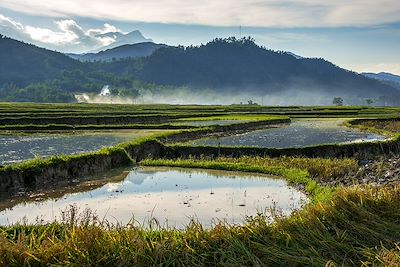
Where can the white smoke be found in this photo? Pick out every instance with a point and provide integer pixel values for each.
(105, 91)
(104, 97)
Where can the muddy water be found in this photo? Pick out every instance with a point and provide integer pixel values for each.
(299, 133)
(172, 196)
(16, 148)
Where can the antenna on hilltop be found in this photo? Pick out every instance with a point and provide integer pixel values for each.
(240, 31)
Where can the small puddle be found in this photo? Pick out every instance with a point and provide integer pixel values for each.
(299, 133)
(16, 148)
(172, 196)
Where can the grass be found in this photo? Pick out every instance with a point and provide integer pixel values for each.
(358, 226)
(32, 108)
(359, 150)
(233, 117)
(340, 227)
(41, 164)
(69, 127)
(384, 126)
(101, 126)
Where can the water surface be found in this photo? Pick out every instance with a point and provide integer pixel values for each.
(18, 147)
(299, 133)
(172, 196)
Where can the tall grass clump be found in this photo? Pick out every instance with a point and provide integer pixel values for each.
(385, 126)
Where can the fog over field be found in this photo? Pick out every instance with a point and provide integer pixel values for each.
(211, 97)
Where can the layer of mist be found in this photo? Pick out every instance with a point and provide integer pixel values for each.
(184, 95)
(210, 97)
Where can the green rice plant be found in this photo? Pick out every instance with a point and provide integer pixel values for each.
(233, 117)
(320, 168)
(388, 125)
(384, 257)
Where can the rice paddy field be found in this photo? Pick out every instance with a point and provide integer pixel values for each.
(106, 185)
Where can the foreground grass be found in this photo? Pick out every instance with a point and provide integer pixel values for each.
(342, 226)
(358, 226)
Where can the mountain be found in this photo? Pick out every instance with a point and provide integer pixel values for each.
(22, 63)
(384, 77)
(123, 51)
(219, 69)
(294, 55)
(120, 38)
(32, 74)
(231, 66)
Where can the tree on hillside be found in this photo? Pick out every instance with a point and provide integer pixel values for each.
(133, 93)
(337, 101)
(114, 91)
(369, 101)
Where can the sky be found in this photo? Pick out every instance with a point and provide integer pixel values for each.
(360, 35)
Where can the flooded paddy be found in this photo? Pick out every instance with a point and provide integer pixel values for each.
(19, 147)
(299, 133)
(172, 196)
(200, 123)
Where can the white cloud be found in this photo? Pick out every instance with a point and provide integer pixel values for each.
(51, 37)
(8, 22)
(390, 67)
(264, 13)
(71, 33)
(69, 36)
(107, 28)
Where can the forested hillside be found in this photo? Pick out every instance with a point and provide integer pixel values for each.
(22, 64)
(30, 73)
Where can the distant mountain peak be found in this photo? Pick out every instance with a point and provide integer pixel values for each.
(124, 51)
(121, 38)
(294, 55)
(386, 77)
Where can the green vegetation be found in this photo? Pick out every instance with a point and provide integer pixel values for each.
(121, 149)
(32, 117)
(261, 120)
(356, 226)
(47, 110)
(230, 117)
(341, 226)
(317, 168)
(387, 126)
(68, 127)
(337, 101)
(356, 150)
(222, 66)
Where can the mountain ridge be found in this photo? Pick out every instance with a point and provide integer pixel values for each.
(237, 65)
(19, 60)
(124, 51)
(222, 66)
(120, 38)
(386, 77)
